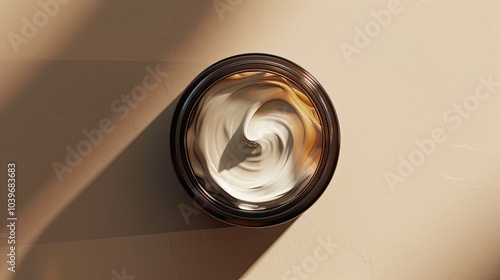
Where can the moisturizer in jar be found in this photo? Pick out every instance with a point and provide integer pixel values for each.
(255, 140)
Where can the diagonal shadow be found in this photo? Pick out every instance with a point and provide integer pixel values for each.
(137, 194)
(137, 198)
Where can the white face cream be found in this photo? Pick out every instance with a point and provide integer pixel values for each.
(254, 140)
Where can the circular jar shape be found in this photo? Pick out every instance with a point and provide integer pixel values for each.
(255, 140)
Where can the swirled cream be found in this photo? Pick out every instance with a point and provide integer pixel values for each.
(254, 140)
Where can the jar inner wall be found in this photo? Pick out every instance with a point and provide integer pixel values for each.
(254, 140)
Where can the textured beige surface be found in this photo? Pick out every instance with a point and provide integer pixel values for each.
(117, 212)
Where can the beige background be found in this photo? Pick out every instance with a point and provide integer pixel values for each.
(117, 212)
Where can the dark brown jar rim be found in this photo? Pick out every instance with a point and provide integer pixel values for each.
(330, 142)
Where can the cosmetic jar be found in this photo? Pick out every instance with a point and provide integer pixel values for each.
(255, 140)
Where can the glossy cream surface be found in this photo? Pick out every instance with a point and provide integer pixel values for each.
(254, 140)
